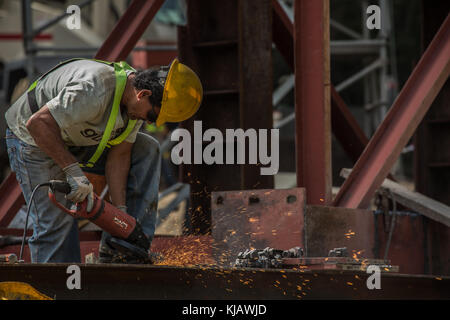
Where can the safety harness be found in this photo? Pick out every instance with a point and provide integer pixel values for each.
(120, 69)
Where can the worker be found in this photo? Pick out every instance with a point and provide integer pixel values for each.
(85, 116)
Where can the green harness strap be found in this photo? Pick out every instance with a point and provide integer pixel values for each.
(121, 80)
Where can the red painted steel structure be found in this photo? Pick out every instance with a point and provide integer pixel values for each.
(145, 59)
(19, 36)
(283, 33)
(256, 219)
(12, 200)
(343, 123)
(345, 127)
(128, 30)
(400, 123)
(312, 99)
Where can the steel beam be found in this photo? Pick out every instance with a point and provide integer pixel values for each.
(229, 45)
(400, 123)
(11, 200)
(344, 125)
(128, 30)
(312, 99)
(256, 219)
(283, 33)
(115, 281)
(255, 79)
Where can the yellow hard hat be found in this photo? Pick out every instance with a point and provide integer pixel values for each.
(182, 95)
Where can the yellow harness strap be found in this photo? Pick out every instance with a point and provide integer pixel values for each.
(121, 80)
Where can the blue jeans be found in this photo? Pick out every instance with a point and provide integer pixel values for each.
(55, 233)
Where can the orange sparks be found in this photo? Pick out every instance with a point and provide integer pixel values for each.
(349, 234)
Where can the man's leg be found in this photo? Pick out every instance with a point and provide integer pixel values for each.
(55, 233)
(143, 182)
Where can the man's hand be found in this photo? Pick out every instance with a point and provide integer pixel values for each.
(80, 185)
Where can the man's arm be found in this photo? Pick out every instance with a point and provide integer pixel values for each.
(47, 135)
(116, 171)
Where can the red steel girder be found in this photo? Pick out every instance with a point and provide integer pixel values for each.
(312, 99)
(343, 124)
(128, 30)
(256, 218)
(345, 127)
(399, 124)
(283, 33)
(11, 199)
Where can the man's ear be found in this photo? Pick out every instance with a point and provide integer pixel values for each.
(144, 93)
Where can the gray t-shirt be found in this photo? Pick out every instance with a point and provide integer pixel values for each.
(79, 95)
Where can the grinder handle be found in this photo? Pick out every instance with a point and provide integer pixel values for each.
(64, 187)
(60, 186)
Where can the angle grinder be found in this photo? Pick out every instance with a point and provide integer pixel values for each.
(126, 233)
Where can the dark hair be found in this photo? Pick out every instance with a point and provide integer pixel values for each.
(148, 79)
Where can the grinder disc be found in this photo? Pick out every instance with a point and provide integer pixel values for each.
(127, 248)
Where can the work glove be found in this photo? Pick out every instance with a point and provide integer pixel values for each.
(80, 186)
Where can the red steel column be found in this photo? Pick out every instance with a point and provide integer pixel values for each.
(312, 99)
(400, 123)
(343, 124)
(11, 200)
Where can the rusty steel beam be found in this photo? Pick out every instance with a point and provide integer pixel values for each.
(256, 218)
(283, 33)
(399, 124)
(345, 127)
(11, 199)
(255, 79)
(312, 100)
(128, 30)
(343, 124)
(132, 282)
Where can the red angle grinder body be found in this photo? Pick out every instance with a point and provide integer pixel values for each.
(126, 232)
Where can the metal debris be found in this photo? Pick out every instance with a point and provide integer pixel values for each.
(338, 252)
(266, 258)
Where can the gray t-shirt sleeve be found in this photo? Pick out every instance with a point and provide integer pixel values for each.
(76, 103)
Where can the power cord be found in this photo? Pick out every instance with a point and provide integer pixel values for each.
(28, 213)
